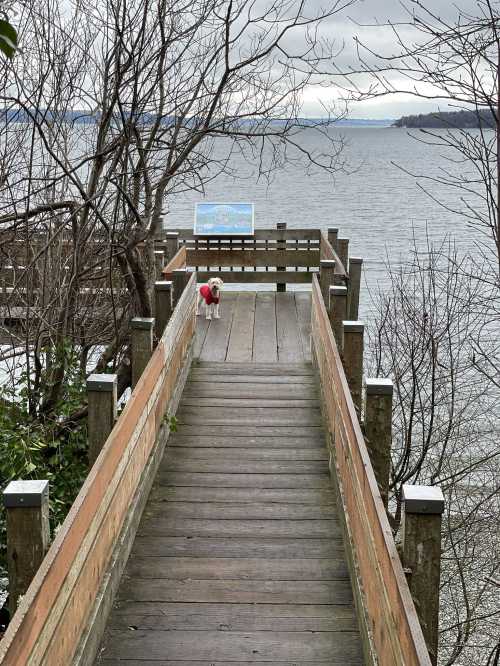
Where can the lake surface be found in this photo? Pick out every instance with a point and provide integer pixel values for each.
(377, 206)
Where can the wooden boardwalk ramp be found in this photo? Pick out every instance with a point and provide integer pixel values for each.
(239, 557)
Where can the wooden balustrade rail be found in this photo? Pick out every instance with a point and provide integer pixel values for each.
(62, 600)
(326, 251)
(386, 610)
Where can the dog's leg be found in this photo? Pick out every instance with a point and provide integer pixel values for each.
(216, 311)
(208, 310)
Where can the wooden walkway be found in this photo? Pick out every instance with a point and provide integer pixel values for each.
(257, 327)
(239, 558)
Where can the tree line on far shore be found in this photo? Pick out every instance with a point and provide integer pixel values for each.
(463, 119)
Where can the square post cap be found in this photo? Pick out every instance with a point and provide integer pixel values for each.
(336, 290)
(333, 230)
(159, 252)
(25, 493)
(353, 326)
(281, 225)
(379, 386)
(172, 234)
(146, 323)
(355, 260)
(102, 382)
(327, 263)
(423, 499)
(163, 285)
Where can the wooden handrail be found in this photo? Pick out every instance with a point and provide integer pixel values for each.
(53, 614)
(179, 261)
(326, 251)
(392, 629)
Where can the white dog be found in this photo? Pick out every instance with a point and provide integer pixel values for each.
(210, 293)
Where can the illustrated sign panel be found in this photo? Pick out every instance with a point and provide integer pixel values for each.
(224, 219)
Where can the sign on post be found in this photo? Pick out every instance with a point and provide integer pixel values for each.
(224, 219)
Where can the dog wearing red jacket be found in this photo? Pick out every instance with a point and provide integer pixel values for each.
(210, 293)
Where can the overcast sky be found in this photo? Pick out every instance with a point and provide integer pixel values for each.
(360, 20)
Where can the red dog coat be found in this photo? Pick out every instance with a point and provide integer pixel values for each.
(206, 292)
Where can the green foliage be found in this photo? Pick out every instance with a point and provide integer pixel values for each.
(171, 422)
(8, 38)
(33, 448)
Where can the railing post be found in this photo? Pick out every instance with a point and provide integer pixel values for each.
(102, 399)
(378, 430)
(333, 234)
(141, 345)
(343, 252)
(421, 533)
(338, 313)
(163, 306)
(353, 359)
(171, 244)
(355, 266)
(180, 278)
(28, 534)
(326, 277)
(159, 262)
(281, 245)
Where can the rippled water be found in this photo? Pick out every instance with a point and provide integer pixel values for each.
(378, 206)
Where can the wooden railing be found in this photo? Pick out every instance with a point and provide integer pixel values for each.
(64, 599)
(270, 256)
(390, 626)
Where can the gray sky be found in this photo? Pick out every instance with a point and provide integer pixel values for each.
(360, 20)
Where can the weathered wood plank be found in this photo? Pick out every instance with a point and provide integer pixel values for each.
(303, 307)
(211, 662)
(250, 258)
(226, 568)
(248, 416)
(157, 524)
(224, 646)
(209, 494)
(256, 430)
(270, 547)
(299, 367)
(289, 342)
(279, 383)
(239, 591)
(258, 277)
(195, 452)
(244, 480)
(241, 510)
(277, 403)
(305, 443)
(240, 347)
(259, 234)
(217, 337)
(265, 345)
(192, 464)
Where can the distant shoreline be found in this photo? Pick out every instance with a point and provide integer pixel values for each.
(448, 120)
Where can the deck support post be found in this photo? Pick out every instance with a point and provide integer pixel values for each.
(421, 532)
(355, 266)
(159, 262)
(333, 234)
(378, 430)
(343, 252)
(326, 279)
(102, 399)
(180, 278)
(353, 359)
(163, 306)
(28, 534)
(171, 244)
(281, 245)
(338, 313)
(141, 345)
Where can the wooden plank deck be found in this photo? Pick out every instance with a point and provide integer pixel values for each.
(257, 327)
(239, 559)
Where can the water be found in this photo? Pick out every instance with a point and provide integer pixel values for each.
(375, 204)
